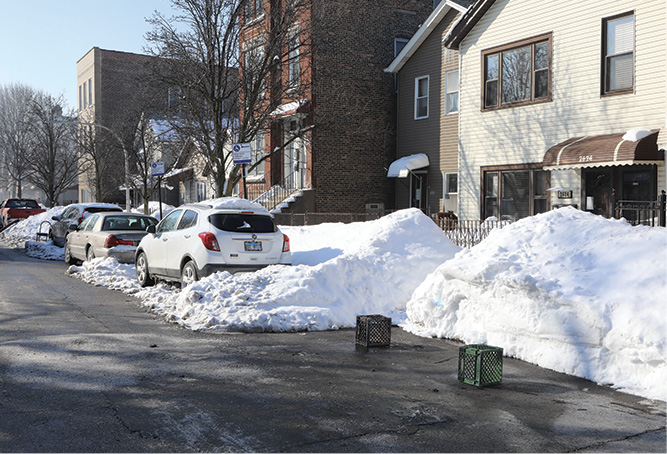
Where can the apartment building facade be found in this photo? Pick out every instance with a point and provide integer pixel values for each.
(340, 125)
(114, 89)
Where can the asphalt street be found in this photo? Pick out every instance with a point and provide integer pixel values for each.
(83, 368)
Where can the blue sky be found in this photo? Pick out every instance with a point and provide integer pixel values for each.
(41, 40)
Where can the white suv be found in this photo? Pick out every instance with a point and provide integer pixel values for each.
(194, 241)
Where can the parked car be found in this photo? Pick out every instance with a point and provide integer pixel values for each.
(13, 209)
(194, 241)
(73, 215)
(107, 234)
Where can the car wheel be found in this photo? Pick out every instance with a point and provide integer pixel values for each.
(143, 277)
(188, 273)
(69, 260)
(90, 254)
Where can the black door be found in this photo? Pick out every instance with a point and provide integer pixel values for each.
(599, 191)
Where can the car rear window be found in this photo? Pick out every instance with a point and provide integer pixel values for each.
(247, 223)
(137, 223)
(22, 204)
(100, 209)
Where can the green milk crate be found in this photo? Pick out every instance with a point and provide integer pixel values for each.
(480, 365)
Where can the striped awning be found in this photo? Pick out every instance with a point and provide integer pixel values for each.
(603, 150)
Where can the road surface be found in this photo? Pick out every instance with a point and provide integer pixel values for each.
(88, 369)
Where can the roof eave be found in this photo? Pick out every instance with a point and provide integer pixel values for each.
(453, 38)
(424, 31)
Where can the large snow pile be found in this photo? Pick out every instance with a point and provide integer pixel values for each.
(566, 290)
(338, 272)
(26, 229)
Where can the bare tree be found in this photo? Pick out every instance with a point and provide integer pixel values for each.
(232, 63)
(155, 140)
(98, 171)
(16, 137)
(53, 163)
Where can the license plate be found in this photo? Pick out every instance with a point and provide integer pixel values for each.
(253, 246)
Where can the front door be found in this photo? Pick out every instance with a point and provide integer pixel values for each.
(599, 191)
(294, 159)
(418, 189)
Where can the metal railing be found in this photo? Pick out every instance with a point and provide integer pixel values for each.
(468, 233)
(276, 195)
(642, 212)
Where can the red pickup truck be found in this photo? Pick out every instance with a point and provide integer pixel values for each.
(14, 209)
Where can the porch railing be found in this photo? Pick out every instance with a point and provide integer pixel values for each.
(640, 212)
(276, 195)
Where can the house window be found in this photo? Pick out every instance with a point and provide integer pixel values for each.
(80, 97)
(201, 191)
(421, 97)
(399, 44)
(85, 104)
(254, 9)
(514, 192)
(257, 146)
(518, 73)
(618, 54)
(293, 68)
(254, 69)
(452, 92)
(451, 181)
(174, 98)
(90, 91)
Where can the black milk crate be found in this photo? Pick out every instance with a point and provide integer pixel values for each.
(373, 331)
(480, 365)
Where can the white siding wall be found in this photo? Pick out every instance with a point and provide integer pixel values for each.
(523, 134)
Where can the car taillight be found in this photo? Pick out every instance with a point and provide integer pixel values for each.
(210, 241)
(112, 241)
(285, 243)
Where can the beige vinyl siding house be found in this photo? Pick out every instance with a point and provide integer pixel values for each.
(517, 136)
(433, 130)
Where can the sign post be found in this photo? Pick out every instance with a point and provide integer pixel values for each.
(157, 170)
(242, 155)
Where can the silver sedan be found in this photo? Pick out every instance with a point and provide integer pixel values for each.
(107, 234)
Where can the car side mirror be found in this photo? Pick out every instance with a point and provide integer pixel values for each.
(56, 218)
(72, 227)
(150, 229)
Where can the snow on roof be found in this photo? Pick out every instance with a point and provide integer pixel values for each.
(401, 167)
(235, 203)
(635, 135)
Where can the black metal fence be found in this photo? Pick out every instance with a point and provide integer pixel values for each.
(640, 212)
(468, 233)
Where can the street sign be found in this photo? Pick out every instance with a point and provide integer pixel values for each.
(242, 153)
(157, 169)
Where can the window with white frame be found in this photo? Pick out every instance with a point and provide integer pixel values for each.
(293, 66)
(421, 97)
(85, 103)
(257, 146)
(90, 91)
(201, 191)
(452, 92)
(254, 69)
(451, 183)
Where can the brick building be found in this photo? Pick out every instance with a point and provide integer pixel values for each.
(114, 89)
(345, 101)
